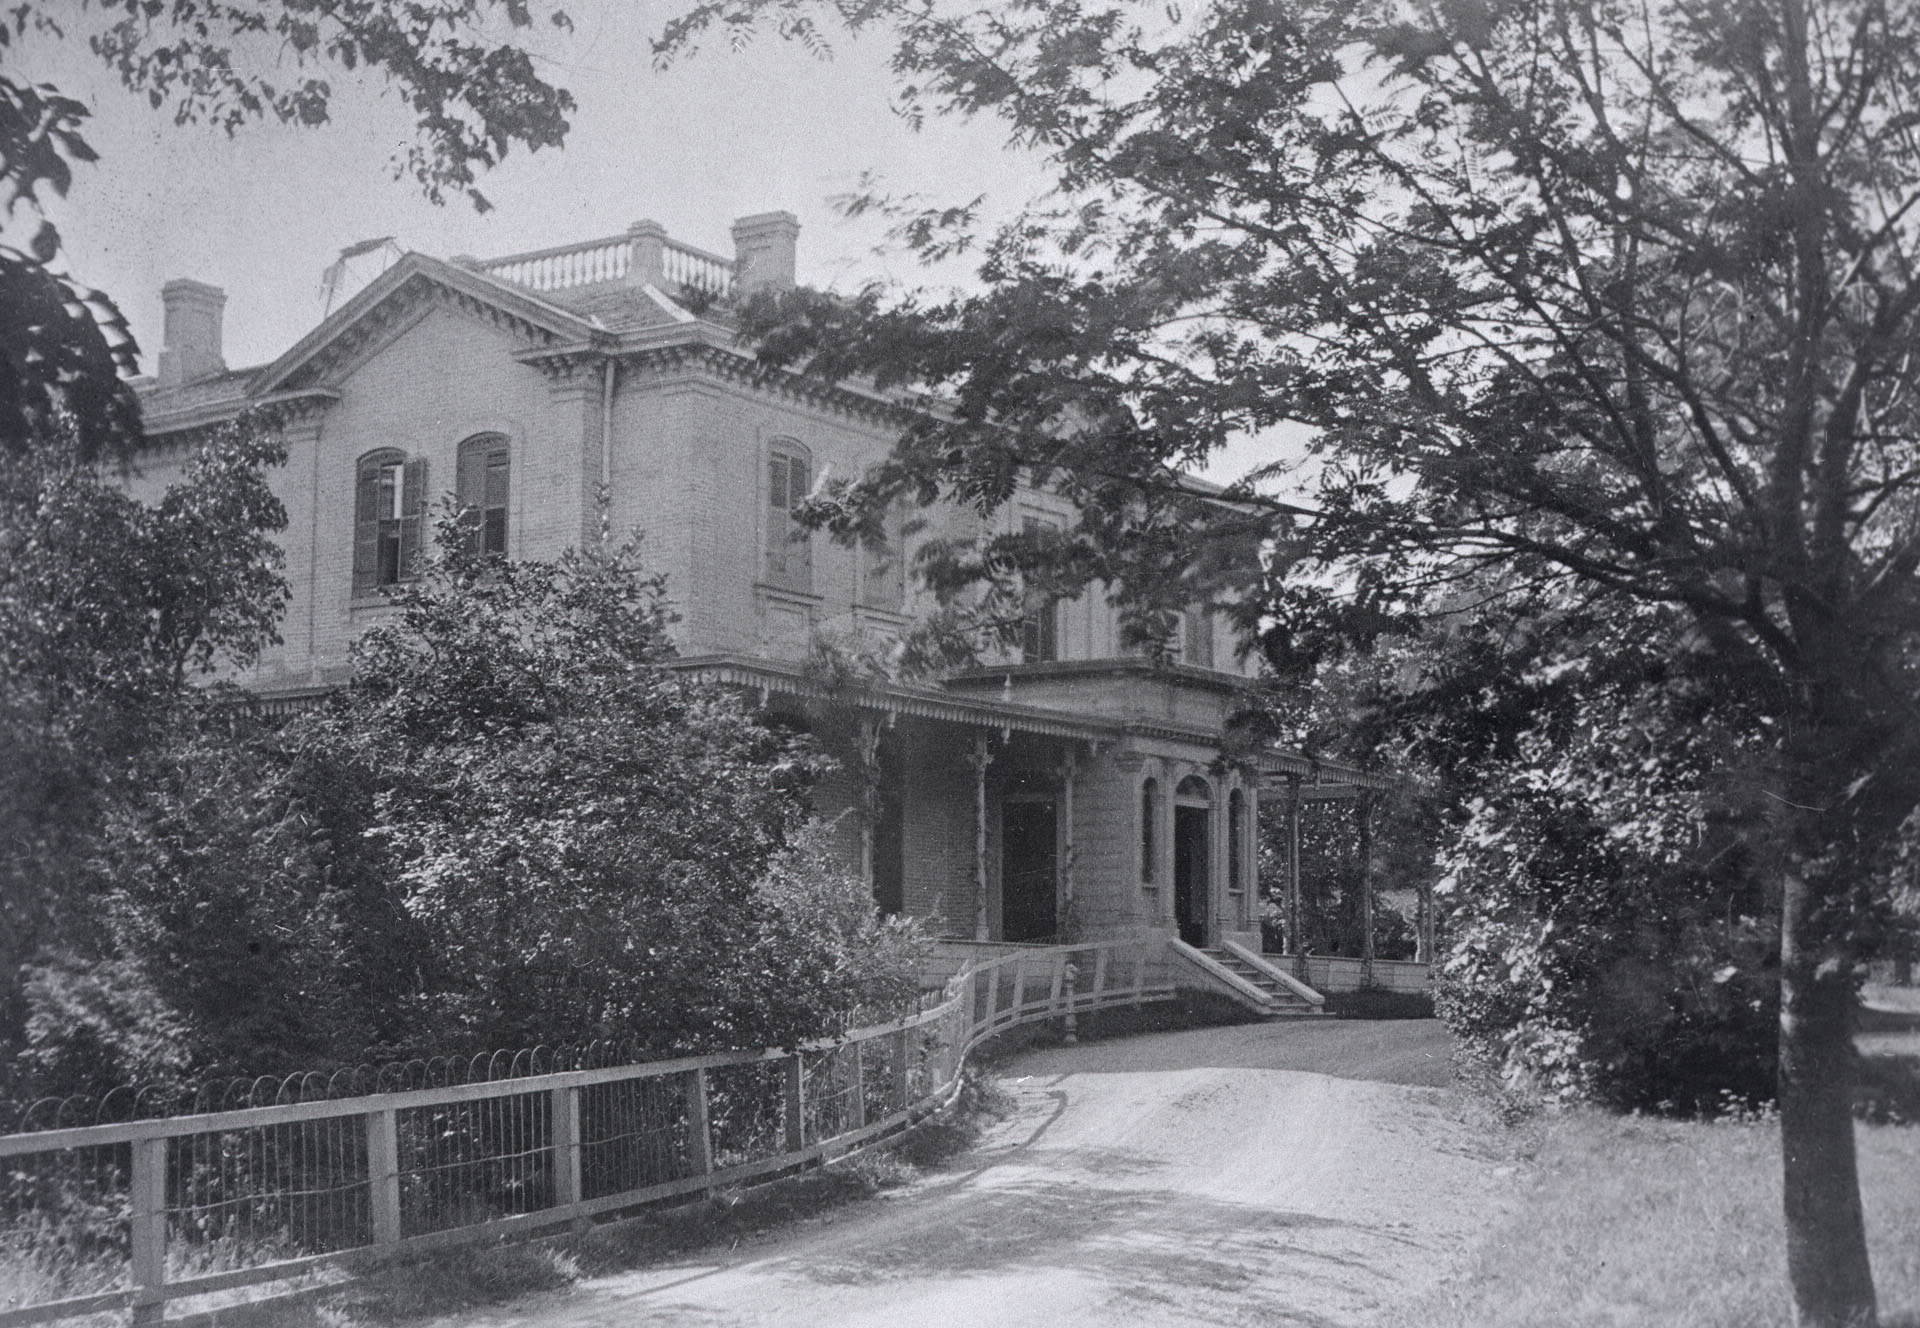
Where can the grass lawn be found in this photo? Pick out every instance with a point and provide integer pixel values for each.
(1630, 1221)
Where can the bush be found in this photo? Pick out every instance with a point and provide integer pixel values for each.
(1608, 943)
(518, 825)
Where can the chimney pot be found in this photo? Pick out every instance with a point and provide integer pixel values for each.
(190, 337)
(765, 251)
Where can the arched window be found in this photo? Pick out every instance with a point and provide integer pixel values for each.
(789, 562)
(1236, 837)
(1193, 789)
(1150, 831)
(480, 489)
(390, 499)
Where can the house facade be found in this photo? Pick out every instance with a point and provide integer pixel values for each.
(1067, 787)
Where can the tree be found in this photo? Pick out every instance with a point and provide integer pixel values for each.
(106, 606)
(1619, 295)
(516, 826)
(112, 613)
(582, 835)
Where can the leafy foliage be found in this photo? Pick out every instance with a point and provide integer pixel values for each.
(1598, 297)
(111, 610)
(578, 827)
(518, 825)
(1610, 937)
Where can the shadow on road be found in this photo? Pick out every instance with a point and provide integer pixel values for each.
(1216, 1261)
(1414, 1052)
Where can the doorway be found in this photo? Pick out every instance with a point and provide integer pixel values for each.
(1192, 832)
(1029, 854)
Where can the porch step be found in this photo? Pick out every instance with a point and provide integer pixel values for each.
(1282, 998)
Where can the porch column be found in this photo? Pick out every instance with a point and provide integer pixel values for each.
(869, 774)
(1066, 926)
(980, 758)
(1292, 888)
(1366, 889)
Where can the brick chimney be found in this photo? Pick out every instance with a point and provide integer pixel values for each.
(190, 341)
(764, 248)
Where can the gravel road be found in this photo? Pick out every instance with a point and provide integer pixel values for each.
(1313, 1173)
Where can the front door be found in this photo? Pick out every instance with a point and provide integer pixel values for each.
(1027, 879)
(1190, 834)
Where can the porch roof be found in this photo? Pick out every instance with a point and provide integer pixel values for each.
(1319, 779)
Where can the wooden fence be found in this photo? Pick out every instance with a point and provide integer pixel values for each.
(134, 1215)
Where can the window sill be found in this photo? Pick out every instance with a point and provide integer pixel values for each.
(370, 603)
(788, 594)
(896, 617)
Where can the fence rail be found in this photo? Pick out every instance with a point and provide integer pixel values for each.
(130, 1215)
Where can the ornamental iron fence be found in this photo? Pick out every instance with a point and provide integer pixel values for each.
(142, 1198)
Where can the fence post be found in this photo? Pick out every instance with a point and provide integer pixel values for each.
(383, 1175)
(699, 1133)
(148, 1236)
(564, 1109)
(1072, 976)
(1099, 972)
(897, 1052)
(796, 1096)
(858, 1116)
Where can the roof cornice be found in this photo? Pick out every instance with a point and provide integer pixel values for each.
(346, 331)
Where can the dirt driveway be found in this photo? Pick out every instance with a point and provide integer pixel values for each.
(1307, 1173)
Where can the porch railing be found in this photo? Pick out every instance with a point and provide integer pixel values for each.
(133, 1215)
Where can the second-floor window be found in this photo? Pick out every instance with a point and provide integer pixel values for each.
(1194, 644)
(481, 489)
(883, 581)
(789, 550)
(390, 493)
(1040, 629)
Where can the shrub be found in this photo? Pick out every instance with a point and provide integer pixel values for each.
(1608, 942)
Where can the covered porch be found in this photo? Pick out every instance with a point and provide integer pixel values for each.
(1001, 817)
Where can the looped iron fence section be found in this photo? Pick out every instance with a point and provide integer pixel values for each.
(136, 1200)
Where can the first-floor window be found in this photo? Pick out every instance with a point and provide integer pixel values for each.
(481, 491)
(1236, 848)
(1149, 831)
(389, 504)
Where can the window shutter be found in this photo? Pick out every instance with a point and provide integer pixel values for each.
(776, 518)
(469, 493)
(493, 536)
(1196, 647)
(413, 510)
(799, 540)
(366, 529)
(885, 583)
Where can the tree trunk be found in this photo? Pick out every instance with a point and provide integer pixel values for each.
(1826, 1231)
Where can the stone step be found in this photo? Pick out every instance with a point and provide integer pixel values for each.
(1283, 998)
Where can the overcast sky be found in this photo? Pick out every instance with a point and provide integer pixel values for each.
(724, 135)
